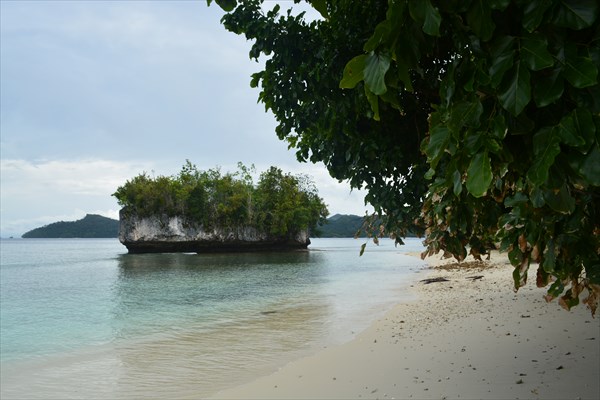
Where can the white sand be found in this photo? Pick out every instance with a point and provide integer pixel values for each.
(462, 339)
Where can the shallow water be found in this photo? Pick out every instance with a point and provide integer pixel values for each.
(81, 318)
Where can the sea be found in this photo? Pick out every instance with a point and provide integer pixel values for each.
(82, 318)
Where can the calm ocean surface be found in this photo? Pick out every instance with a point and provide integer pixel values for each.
(81, 318)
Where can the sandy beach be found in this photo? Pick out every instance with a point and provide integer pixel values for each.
(470, 337)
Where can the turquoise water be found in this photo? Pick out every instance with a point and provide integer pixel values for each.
(83, 318)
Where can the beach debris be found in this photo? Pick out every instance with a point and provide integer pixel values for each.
(474, 278)
(268, 312)
(475, 265)
(433, 280)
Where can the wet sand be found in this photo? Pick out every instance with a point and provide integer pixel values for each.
(468, 337)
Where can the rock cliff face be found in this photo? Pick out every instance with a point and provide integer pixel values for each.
(163, 234)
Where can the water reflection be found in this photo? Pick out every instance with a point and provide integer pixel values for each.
(212, 282)
(206, 318)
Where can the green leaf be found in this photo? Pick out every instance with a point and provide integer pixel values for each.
(576, 14)
(590, 168)
(556, 289)
(518, 198)
(479, 18)
(592, 271)
(560, 200)
(448, 85)
(439, 136)
(424, 13)
(548, 88)
(537, 198)
(498, 127)
(534, 52)
(362, 249)
(403, 74)
(374, 102)
(533, 13)
(321, 7)
(467, 113)
(571, 127)
(380, 35)
(407, 50)
(226, 5)
(545, 149)
(376, 65)
(256, 77)
(549, 259)
(473, 141)
(391, 97)
(581, 72)
(429, 174)
(353, 72)
(433, 19)
(457, 183)
(515, 91)
(479, 174)
(516, 257)
(502, 53)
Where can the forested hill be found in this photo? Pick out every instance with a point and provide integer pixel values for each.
(344, 226)
(91, 226)
(341, 226)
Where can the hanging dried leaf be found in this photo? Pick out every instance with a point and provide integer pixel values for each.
(592, 299)
(535, 254)
(542, 278)
(523, 243)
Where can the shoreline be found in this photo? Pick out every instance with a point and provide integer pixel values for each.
(468, 337)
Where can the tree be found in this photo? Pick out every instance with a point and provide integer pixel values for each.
(474, 122)
(282, 205)
(285, 201)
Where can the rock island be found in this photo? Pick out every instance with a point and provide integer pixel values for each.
(208, 211)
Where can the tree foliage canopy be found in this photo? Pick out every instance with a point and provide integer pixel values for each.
(474, 122)
(279, 204)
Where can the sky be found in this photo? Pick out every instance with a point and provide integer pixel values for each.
(93, 93)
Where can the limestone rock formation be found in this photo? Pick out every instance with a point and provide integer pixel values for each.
(165, 234)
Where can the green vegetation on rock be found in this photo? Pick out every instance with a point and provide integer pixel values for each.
(91, 226)
(474, 122)
(279, 204)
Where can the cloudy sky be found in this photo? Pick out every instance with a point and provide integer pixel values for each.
(96, 92)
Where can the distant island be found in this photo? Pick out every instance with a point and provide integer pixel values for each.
(91, 226)
(341, 226)
(97, 226)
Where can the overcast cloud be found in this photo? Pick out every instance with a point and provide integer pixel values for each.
(95, 92)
